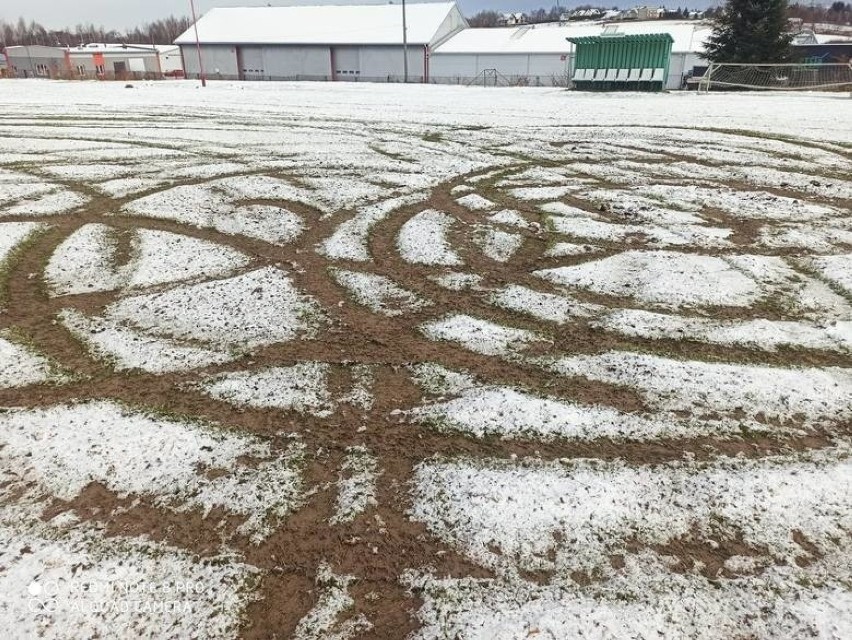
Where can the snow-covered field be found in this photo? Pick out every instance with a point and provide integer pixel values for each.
(361, 361)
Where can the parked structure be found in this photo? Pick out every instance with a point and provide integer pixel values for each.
(619, 62)
(353, 42)
(542, 55)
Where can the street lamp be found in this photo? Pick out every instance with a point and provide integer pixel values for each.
(198, 44)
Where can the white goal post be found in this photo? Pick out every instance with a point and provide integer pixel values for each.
(777, 77)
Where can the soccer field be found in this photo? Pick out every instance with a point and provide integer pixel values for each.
(343, 361)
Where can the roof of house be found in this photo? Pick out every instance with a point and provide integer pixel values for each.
(326, 24)
(688, 36)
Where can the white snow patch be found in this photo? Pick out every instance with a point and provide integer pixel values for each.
(323, 621)
(438, 380)
(356, 487)
(21, 366)
(544, 306)
(85, 262)
(135, 453)
(511, 414)
(542, 193)
(361, 393)
(208, 206)
(423, 239)
(768, 335)
(165, 257)
(664, 278)
(820, 395)
(53, 203)
(77, 584)
(563, 249)
(379, 293)
(511, 218)
(498, 245)
(350, 239)
(127, 348)
(475, 202)
(595, 508)
(258, 308)
(302, 388)
(836, 269)
(13, 234)
(457, 281)
(647, 600)
(480, 336)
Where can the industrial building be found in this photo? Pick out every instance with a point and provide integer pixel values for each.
(124, 61)
(95, 61)
(35, 61)
(542, 55)
(365, 43)
(347, 42)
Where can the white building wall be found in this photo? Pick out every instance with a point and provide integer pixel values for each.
(171, 61)
(533, 69)
(545, 69)
(297, 62)
(220, 61)
(386, 64)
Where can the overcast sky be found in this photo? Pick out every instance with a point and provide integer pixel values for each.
(121, 14)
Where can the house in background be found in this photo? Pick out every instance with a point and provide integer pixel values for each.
(512, 19)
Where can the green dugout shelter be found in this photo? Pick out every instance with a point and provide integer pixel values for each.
(621, 62)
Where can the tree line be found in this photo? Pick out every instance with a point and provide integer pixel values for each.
(162, 31)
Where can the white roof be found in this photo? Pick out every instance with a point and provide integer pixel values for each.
(118, 47)
(327, 24)
(550, 38)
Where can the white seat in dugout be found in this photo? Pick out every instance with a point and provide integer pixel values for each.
(633, 76)
(646, 75)
(658, 75)
(579, 74)
(600, 75)
(622, 75)
(611, 75)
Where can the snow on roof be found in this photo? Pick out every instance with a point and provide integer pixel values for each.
(827, 38)
(327, 24)
(550, 38)
(119, 47)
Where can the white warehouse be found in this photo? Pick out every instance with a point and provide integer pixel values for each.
(346, 42)
(540, 54)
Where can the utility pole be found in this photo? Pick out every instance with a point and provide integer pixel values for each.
(198, 44)
(404, 44)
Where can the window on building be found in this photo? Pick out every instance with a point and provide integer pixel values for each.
(100, 70)
(81, 70)
(42, 70)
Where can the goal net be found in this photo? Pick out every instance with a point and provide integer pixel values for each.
(777, 77)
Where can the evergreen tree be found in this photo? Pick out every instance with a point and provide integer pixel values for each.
(750, 31)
